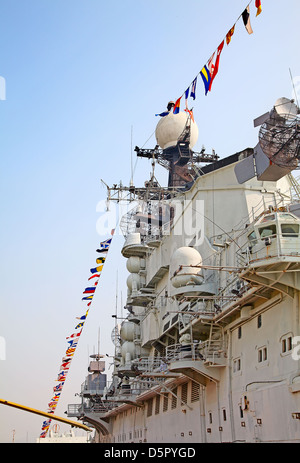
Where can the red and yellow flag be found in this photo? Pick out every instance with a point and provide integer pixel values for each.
(229, 35)
(258, 6)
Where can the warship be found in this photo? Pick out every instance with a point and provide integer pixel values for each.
(208, 350)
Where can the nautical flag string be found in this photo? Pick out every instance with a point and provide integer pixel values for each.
(210, 69)
(73, 339)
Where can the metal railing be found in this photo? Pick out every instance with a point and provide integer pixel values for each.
(276, 245)
(77, 410)
(146, 364)
(208, 351)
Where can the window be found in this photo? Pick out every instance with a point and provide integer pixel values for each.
(286, 344)
(262, 354)
(239, 332)
(224, 415)
(259, 321)
(236, 365)
(241, 412)
(268, 217)
(269, 230)
(210, 417)
(252, 238)
(286, 216)
(290, 230)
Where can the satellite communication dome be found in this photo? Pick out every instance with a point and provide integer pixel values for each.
(170, 127)
(185, 257)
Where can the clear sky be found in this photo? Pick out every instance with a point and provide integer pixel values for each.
(84, 80)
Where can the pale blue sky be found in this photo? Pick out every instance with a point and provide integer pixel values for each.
(79, 75)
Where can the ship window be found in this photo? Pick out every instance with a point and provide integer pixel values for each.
(286, 344)
(236, 365)
(270, 230)
(239, 332)
(210, 417)
(241, 412)
(290, 230)
(283, 344)
(224, 415)
(252, 238)
(262, 354)
(259, 322)
(268, 217)
(286, 216)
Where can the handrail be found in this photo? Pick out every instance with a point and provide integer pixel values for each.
(206, 350)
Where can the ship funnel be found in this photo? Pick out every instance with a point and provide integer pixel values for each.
(278, 150)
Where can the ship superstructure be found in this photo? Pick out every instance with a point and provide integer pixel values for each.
(207, 352)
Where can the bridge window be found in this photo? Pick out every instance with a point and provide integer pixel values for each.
(269, 230)
(252, 238)
(290, 230)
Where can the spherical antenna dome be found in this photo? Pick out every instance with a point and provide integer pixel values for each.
(181, 268)
(170, 127)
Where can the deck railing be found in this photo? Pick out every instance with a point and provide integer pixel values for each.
(207, 351)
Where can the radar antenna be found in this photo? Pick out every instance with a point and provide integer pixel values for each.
(278, 150)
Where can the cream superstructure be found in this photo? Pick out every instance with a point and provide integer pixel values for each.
(208, 352)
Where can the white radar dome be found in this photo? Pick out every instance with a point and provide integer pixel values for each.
(180, 272)
(170, 127)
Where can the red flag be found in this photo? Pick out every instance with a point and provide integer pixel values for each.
(216, 65)
(258, 6)
(74, 335)
(229, 35)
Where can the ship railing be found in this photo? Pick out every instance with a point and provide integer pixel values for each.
(145, 364)
(208, 351)
(273, 246)
(78, 410)
(138, 386)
